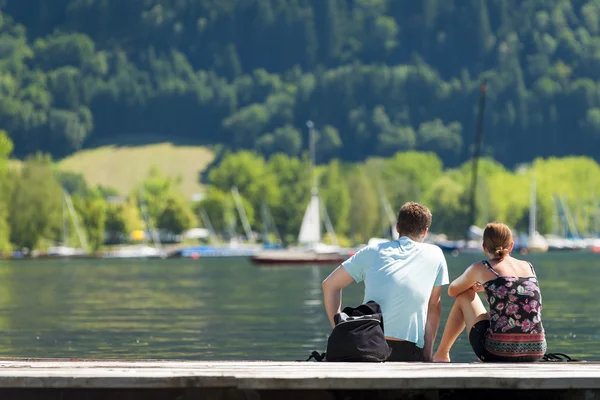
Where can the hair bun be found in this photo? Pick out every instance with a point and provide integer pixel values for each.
(497, 240)
(500, 252)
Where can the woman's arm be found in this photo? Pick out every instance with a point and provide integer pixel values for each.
(464, 282)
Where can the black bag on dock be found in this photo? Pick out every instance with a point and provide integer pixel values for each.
(357, 336)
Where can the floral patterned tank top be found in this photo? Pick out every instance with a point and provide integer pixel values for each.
(515, 316)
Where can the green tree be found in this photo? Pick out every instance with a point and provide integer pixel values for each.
(329, 142)
(447, 200)
(5, 245)
(406, 176)
(94, 220)
(364, 206)
(90, 209)
(286, 139)
(123, 218)
(116, 221)
(391, 138)
(177, 216)
(293, 179)
(36, 204)
(213, 206)
(219, 207)
(73, 183)
(5, 192)
(241, 75)
(60, 50)
(445, 140)
(154, 192)
(249, 173)
(336, 197)
(247, 124)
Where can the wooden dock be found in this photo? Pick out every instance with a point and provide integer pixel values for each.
(182, 380)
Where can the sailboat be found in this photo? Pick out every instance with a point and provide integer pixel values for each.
(389, 222)
(141, 250)
(568, 239)
(234, 247)
(63, 250)
(310, 249)
(248, 247)
(269, 229)
(534, 242)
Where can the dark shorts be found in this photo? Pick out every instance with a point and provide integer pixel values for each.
(477, 337)
(404, 351)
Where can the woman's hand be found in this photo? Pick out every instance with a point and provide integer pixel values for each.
(466, 280)
(477, 287)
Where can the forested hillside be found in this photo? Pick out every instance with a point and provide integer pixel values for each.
(376, 76)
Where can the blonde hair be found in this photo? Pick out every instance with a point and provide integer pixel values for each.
(497, 239)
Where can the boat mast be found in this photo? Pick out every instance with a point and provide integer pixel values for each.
(148, 222)
(311, 141)
(75, 219)
(570, 220)
(329, 225)
(388, 217)
(207, 224)
(568, 223)
(242, 213)
(310, 229)
(476, 154)
(64, 216)
(532, 207)
(268, 224)
(596, 213)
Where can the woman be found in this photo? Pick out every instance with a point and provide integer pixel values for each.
(512, 331)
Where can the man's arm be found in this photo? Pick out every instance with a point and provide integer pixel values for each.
(434, 313)
(332, 291)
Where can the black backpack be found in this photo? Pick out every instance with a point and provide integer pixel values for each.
(357, 336)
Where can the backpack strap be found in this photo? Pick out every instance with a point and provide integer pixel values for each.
(316, 356)
(558, 357)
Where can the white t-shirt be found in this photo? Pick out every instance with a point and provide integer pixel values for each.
(400, 275)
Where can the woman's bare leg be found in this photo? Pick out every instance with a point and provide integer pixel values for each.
(467, 311)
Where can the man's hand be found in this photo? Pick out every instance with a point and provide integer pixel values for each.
(434, 312)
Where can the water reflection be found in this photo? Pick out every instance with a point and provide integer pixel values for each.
(230, 309)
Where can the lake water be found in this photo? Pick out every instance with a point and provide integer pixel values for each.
(224, 309)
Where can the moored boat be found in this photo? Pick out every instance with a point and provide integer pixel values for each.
(206, 251)
(140, 251)
(298, 257)
(311, 249)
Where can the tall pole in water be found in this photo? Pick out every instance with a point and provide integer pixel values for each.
(477, 152)
(311, 142)
(532, 207)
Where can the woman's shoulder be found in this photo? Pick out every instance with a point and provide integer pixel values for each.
(477, 268)
(479, 265)
(522, 263)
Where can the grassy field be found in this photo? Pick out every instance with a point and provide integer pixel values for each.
(14, 164)
(123, 167)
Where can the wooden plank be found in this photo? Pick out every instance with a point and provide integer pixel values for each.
(294, 375)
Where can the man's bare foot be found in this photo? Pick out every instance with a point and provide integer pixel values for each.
(441, 357)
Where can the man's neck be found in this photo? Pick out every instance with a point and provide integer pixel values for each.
(412, 238)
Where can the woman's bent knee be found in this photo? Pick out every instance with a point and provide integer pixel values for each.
(467, 295)
(472, 307)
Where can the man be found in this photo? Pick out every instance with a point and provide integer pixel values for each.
(405, 277)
